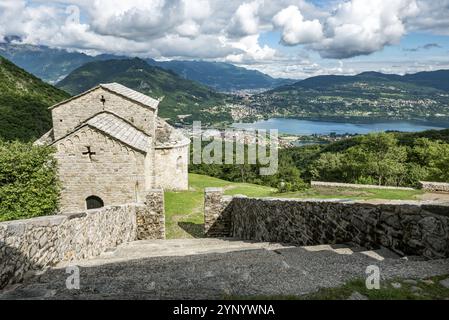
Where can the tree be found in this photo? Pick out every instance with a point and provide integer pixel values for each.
(329, 167)
(28, 181)
(380, 157)
(434, 156)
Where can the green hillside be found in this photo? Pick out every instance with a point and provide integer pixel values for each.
(181, 96)
(24, 102)
(367, 95)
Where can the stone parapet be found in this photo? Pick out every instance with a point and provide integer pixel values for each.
(151, 216)
(409, 228)
(217, 213)
(434, 186)
(354, 186)
(38, 243)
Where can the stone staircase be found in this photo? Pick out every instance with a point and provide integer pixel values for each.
(216, 268)
(190, 247)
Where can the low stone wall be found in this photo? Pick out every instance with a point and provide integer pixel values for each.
(354, 186)
(410, 228)
(217, 217)
(38, 243)
(151, 216)
(434, 186)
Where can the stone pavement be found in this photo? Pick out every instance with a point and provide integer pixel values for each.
(216, 268)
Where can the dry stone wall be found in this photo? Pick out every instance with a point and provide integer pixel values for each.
(38, 243)
(217, 213)
(354, 186)
(151, 216)
(434, 186)
(410, 228)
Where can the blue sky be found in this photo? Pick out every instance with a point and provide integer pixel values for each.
(284, 38)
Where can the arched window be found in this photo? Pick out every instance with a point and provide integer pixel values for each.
(179, 164)
(94, 202)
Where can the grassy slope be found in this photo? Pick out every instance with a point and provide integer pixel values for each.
(24, 102)
(184, 210)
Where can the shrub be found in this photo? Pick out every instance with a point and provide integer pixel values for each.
(28, 181)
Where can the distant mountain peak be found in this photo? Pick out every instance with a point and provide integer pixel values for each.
(12, 39)
(372, 74)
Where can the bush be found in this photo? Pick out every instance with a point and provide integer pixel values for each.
(28, 181)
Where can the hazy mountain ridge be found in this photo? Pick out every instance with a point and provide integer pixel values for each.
(221, 76)
(433, 79)
(52, 65)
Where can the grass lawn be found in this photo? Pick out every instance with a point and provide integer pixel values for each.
(184, 210)
(399, 289)
(355, 194)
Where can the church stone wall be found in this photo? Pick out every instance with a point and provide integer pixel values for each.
(71, 114)
(171, 170)
(116, 173)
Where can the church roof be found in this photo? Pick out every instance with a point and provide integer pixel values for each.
(131, 94)
(120, 130)
(120, 90)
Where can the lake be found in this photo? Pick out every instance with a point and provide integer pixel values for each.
(309, 127)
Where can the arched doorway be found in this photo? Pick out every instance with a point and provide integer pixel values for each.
(94, 202)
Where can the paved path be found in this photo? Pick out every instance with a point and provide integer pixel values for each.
(214, 268)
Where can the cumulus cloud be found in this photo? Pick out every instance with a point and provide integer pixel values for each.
(353, 28)
(433, 17)
(362, 27)
(251, 51)
(296, 30)
(228, 30)
(245, 20)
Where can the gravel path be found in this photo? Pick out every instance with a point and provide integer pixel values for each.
(213, 269)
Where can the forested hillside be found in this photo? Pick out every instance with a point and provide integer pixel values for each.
(24, 102)
(393, 159)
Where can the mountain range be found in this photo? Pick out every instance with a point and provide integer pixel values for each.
(431, 79)
(180, 97)
(52, 65)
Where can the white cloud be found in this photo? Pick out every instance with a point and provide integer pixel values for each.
(362, 27)
(251, 51)
(230, 30)
(245, 20)
(296, 30)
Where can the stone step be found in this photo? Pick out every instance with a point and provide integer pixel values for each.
(187, 247)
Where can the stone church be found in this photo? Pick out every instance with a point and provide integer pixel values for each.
(112, 148)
